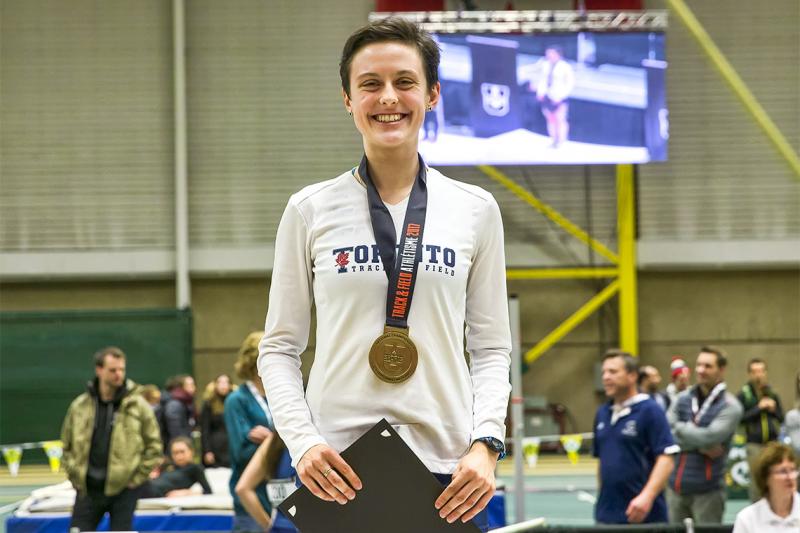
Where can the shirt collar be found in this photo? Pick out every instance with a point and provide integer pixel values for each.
(624, 409)
(769, 517)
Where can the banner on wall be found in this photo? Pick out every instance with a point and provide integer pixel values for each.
(572, 445)
(737, 477)
(54, 450)
(530, 450)
(12, 456)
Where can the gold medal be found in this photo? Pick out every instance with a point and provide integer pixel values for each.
(393, 356)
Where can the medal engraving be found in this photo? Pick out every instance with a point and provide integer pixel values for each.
(393, 356)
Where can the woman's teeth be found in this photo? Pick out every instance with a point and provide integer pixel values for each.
(388, 118)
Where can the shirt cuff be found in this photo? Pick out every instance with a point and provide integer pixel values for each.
(307, 444)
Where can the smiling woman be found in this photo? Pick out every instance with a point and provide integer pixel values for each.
(389, 329)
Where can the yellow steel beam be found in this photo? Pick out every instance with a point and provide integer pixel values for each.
(572, 322)
(626, 237)
(739, 88)
(549, 212)
(561, 273)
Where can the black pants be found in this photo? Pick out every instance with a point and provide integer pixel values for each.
(90, 508)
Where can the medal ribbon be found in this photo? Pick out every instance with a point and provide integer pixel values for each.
(401, 270)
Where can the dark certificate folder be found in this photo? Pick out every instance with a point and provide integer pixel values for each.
(397, 496)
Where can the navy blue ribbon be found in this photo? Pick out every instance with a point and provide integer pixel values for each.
(401, 268)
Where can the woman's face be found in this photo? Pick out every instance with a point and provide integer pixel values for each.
(389, 95)
(782, 478)
(182, 455)
(189, 386)
(222, 385)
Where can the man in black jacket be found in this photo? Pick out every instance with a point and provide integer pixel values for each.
(763, 415)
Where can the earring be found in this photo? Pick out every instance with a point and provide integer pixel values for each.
(430, 107)
(350, 113)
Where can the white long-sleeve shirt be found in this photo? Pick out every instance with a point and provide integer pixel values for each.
(557, 80)
(325, 253)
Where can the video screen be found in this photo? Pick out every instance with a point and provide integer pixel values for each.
(555, 98)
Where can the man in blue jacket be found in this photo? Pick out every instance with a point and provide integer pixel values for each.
(703, 420)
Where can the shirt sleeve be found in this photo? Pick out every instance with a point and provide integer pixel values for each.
(286, 334)
(720, 429)
(487, 327)
(200, 477)
(659, 436)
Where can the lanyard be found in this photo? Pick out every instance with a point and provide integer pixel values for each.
(699, 412)
(401, 270)
(262, 403)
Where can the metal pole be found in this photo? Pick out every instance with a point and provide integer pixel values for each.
(182, 288)
(517, 402)
(626, 235)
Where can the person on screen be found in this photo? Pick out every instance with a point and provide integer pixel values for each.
(379, 353)
(555, 86)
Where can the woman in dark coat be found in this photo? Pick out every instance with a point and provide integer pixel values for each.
(213, 436)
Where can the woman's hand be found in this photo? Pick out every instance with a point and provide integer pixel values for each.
(472, 486)
(209, 458)
(258, 434)
(327, 475)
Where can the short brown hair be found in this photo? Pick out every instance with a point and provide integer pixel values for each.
(176, 382)
(722, 359)
(391, 29)
(774, 453)
(246, 365)
(631, 364)
(183, 439)
(100, 355)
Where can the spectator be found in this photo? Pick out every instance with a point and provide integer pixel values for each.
(152, 395)
(270, 462)
(792, 424)
(703, 419)
(178, 416)
(213, 436)
(177, 478)
(762, 418)
(248, 421)
(633, 442)
(111, 443)
(776, 477)
(679, 378)
(649, 381)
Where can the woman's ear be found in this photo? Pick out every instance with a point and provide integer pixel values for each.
(347, 102)
(434, 94)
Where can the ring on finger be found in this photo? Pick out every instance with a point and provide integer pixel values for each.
(327, 472)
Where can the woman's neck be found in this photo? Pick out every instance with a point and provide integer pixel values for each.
(393, 174)
(781, 504)
(259, 385)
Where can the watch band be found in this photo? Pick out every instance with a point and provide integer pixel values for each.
(496, 445)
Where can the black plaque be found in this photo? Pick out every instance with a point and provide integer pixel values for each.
(397, 496)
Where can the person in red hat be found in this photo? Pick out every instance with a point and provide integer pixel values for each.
(679, 377)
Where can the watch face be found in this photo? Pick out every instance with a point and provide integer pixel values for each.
(493, 443)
